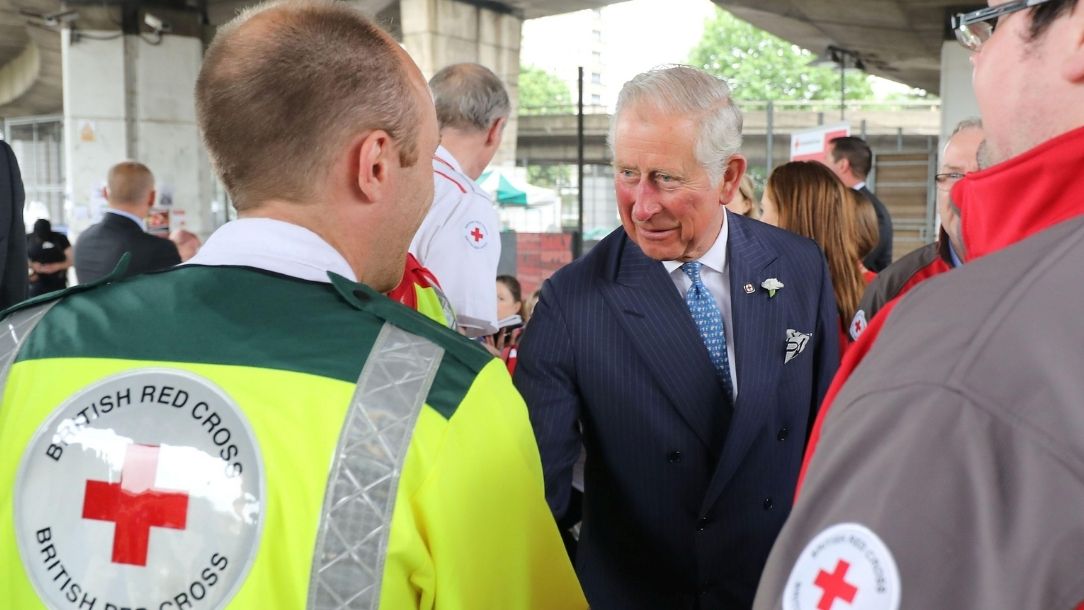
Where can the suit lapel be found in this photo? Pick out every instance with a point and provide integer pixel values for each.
(759, 343)
(650, 309)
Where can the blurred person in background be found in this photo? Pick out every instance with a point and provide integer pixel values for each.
(188, 243)
(511, 316)
(509, 298)
(745, 200)
(130, 193)
(867, 233)
(804, 197)
(13, 273)
(50, 255)
(959, 158)
(852, 161)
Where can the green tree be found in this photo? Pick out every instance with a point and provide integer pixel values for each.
(541, 91)
(760, 66)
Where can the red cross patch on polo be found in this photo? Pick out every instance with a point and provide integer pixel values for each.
(143, 490)
(476, 234)
(845, 567)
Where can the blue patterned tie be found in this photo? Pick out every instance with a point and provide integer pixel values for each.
(710, 324)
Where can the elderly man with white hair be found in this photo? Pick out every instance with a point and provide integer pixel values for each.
(687, 353)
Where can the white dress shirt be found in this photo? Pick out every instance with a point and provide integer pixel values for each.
(715, 273)
(273, 245)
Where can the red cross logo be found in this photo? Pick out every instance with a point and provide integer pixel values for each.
(835, 586)
(134, 505)
(477, 234)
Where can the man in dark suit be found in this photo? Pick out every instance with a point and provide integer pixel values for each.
(851, 159)
(130, 193)
(14, 279)
(687, 353)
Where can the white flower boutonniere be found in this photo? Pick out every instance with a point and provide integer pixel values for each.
(771, 285)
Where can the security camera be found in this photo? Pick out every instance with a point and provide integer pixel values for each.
(155, 23)
(60, 18)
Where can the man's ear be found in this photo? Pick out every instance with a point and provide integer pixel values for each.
(493, 136)
(151, 197)
(732, 175)
(1073, 68)
(843, 163)
(375, 155)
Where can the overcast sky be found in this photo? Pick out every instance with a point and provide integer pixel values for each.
(642, 34)
(645, 33)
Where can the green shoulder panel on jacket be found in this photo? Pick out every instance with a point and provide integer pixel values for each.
(246, 317)
(211, 315)
(463, 359)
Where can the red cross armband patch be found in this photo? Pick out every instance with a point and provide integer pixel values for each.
(476, 235)
(845, 567)
(143, 490)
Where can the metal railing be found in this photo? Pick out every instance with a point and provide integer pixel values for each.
(828, 107)
(38, 142)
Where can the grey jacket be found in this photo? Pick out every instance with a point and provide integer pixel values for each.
(950, 473)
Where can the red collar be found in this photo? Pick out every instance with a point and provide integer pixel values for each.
(1029, 193)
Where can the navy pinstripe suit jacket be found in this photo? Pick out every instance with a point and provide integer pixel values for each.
(684, 495)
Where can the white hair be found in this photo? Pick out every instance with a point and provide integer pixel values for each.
(687, 91)
(469, 96)
(968, 123)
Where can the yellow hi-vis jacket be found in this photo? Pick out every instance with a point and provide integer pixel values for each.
(420, 290)
(213, 437)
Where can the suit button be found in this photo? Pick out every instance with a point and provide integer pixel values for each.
(783, 432)
(768, 504)
(673, 457)
(701, 524)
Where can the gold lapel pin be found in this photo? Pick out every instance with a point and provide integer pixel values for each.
(749, 289)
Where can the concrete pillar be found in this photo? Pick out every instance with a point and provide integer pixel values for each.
(957, 96)
(129, 96)
(437, 33)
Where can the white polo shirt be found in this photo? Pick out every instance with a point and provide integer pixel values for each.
(273, 245)
(460, 242)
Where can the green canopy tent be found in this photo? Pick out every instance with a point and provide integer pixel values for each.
(509, 190)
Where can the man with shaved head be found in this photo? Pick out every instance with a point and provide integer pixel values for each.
(130, 193)
(261, 427)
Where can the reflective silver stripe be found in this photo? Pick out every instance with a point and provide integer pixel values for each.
(16, 328)
(348, 562)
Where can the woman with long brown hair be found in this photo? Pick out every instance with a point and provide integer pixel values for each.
(806, 198)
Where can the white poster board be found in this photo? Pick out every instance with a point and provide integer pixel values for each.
(812, 144)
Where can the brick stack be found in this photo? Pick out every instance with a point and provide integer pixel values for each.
(539, 255)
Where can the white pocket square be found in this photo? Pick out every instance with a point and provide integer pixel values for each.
(796, 343)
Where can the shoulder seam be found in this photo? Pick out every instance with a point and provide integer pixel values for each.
(462, 189)
(987, 404)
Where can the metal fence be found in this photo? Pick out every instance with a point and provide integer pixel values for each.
(38, 143)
